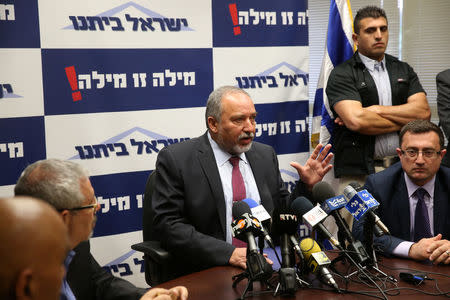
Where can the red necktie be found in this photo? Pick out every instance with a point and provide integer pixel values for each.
(236, 180)
(238, 185)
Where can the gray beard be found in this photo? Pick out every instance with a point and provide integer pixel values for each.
(237, 149)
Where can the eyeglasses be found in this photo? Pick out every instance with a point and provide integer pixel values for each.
(92, 206)
(413, 153)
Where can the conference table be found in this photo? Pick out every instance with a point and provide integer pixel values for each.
(216, 283)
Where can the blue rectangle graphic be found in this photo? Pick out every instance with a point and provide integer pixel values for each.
(121, 198)
(284, 126)
(22, 142)
(19, 24)
(254, 23)
(110, 80)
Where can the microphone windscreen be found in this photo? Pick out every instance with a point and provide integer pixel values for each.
(301, 205)
(240, 208)
(251, 203)
(309, 246)
(284, 221)
(356, 186)
(322, 191)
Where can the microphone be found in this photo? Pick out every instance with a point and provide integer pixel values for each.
(323, 193)
(361, 202)
(317, 260)
(313, 216)
(261, 214)
(377, 230)
(285, 223)
(244, 227)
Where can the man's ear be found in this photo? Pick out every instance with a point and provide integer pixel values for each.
(212, 124)
(355, 38)
(66, 216)
(443, 151)
(24, 285)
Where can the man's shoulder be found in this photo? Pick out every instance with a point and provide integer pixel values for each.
(187, 144)
(387, 176)
(261, 146)
(443, 75)
(392, 60)
(444, 172)
(346, 65)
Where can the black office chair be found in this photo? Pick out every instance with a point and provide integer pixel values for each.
(157, 260)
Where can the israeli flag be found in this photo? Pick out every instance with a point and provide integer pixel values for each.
(339, 47)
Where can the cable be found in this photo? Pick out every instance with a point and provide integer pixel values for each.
(415, 270)
(360, 269)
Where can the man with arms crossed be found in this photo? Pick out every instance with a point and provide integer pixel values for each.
(372, 95)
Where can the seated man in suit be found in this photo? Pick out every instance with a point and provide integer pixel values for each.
(197, 181)
(414, 197)
(34, 243)
(66, 186)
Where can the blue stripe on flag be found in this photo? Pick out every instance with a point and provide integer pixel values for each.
(339, 48)
(327, 121)
(318, 103)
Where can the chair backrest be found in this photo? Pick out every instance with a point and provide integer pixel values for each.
(147, 211)
(159, 263)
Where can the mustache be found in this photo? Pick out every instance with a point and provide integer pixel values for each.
(246, 135)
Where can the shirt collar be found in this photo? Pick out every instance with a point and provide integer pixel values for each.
(69, 258)
(370, 63)
(222, 156)
(412, 187)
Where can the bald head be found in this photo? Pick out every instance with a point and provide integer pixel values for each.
(34, 244)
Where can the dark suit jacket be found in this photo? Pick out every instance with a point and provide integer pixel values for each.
(189, 205)
(389, 188)
(89, 281)
(443, 104)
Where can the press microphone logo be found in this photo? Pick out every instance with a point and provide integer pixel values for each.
(288, 217)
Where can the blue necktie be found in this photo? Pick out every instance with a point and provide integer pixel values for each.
(421, 219)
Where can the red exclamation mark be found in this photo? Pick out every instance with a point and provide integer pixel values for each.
(72, 77)
(234, 18)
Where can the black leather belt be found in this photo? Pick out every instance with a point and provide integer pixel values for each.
(386, 162)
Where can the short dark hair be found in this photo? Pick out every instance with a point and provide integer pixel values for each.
(367, 12)
(421, 126)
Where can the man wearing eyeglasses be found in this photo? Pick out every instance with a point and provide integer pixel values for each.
(66, 186)
(414, 197)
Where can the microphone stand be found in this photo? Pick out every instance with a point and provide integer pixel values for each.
(257, 270)
(371, 262)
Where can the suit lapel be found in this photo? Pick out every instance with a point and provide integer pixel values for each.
(258, 166)
(209, 167)
(439, 206)
(402, 203)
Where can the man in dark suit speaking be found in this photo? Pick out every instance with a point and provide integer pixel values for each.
(198, 180)
(414, 197)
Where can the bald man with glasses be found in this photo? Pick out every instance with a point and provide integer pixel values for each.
(66, 186)
(414, 197)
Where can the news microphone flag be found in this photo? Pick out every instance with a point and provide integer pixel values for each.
(338, 48)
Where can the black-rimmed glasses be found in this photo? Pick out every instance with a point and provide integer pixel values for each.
(413, 153)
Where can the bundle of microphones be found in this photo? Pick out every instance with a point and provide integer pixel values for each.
(299, 257)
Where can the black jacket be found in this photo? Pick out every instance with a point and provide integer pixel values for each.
(351, 80)
(89, 281)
